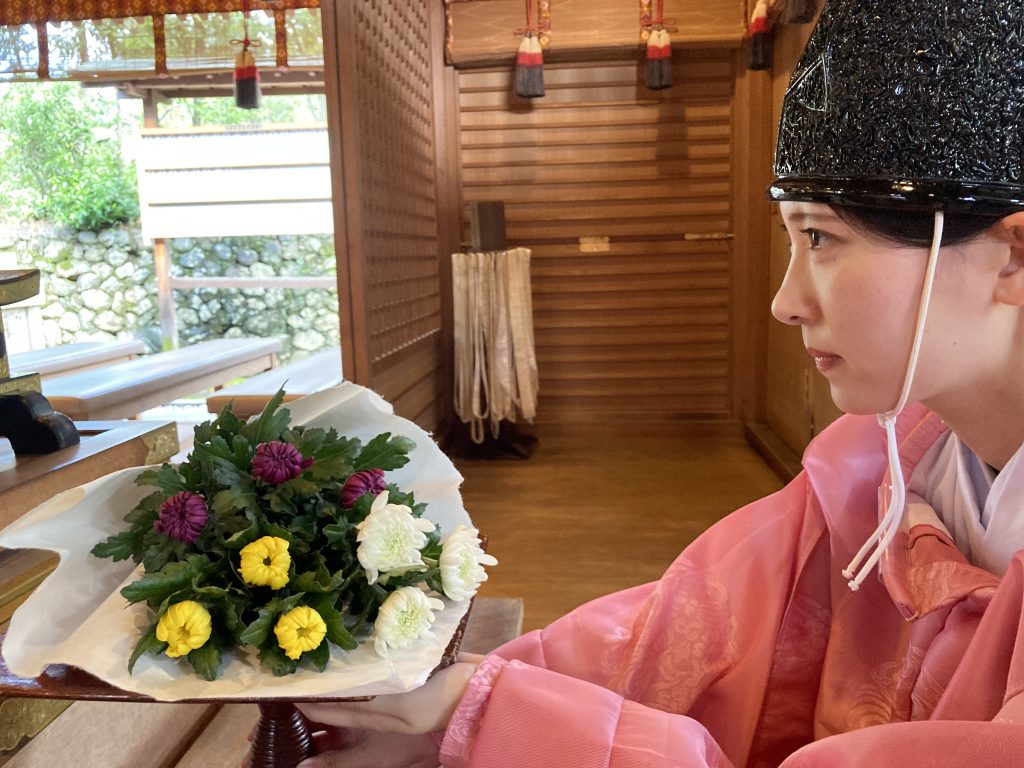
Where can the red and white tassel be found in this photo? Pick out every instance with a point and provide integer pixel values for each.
(247, 80)
(659, 59)
(759, 41)
(529, 77)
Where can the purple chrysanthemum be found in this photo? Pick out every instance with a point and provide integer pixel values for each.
(360, 483)
(182, 517)
(276, 461)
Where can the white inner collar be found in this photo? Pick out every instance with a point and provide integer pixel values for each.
(982, 511)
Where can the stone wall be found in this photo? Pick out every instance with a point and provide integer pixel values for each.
(101, 285)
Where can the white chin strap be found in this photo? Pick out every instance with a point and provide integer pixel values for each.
(890, 523)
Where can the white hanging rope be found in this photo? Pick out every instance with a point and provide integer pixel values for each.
(495, 361)
(893, 517)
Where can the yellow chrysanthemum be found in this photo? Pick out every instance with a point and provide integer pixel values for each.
(301, 629)
(265, 562)
(184, 626)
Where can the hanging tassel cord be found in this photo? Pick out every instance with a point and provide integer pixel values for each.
(245, 41)
(657, 20)
(531, 29)
(890, 524)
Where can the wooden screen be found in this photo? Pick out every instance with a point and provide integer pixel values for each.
(624, 195)
(382, 98)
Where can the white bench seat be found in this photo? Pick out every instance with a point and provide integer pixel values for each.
(123, 390)
(303, 377)
(69, 358)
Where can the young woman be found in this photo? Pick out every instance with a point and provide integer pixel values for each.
(872, 612)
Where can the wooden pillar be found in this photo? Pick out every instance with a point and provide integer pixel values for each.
(161, 253)
(165, 295)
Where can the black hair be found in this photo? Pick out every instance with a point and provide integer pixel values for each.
(915, 228)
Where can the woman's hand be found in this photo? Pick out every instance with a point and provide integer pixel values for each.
(424, 710)
(346, 748)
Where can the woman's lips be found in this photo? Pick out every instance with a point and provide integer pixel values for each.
(824, 361)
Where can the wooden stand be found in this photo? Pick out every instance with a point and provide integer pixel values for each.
(282, 738)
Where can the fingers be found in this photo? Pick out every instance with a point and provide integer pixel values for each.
(424, 710)
(327, 738)
(380, 750)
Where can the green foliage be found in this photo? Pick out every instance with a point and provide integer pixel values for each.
(61, 159)
(307, 511)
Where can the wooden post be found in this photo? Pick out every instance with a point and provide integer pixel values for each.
(161, 254)
(487, 225)
(165, 296)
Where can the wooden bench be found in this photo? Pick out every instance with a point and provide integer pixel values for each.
(303, 377)
(71, 358)
(123, 390)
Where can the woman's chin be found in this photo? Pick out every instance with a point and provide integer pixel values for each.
(855, 403)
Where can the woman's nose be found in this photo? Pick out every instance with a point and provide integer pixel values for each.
(793, 303)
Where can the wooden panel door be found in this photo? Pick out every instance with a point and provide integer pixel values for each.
(382, 76)
(625, 197)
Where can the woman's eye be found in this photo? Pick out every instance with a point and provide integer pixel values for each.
(815, 237)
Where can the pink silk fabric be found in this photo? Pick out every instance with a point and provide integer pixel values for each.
(752, 651)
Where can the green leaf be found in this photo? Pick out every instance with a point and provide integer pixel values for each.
(234, 498)
(147, 644)
(279, 664)
(384, 452)
(146, 511)
(300, 486)
(226, 473)
(210, 593)
(337, 532)
(230, 614)
(166, 479)
(320, 656)
(309, 441)
(259, 630)
(242, 538)
(336, 632)
(227, 421)
(161, 550)
(271, 423)
(206, 659)
(120, 546)
(335, 458)
(166, 581)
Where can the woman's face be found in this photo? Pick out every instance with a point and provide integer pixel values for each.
(855, 298)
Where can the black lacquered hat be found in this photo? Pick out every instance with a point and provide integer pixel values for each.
(912, 103)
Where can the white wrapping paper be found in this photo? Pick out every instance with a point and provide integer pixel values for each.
(77, 616)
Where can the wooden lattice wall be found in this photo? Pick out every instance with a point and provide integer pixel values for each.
(626, 197)
(390, 237)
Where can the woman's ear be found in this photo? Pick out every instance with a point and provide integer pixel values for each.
(1010, 283)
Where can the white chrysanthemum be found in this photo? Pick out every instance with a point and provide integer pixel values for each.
(405, 616)
(462, 563)
(390, 538)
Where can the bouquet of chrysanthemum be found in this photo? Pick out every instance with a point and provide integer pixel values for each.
(287, 539)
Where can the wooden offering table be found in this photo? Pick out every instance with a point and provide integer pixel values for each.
(115, 729)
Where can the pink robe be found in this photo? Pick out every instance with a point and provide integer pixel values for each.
(752, 651)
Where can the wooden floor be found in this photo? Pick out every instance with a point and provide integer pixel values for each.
(602, 509)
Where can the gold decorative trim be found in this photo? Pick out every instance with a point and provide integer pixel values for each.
(161, 444)
(22, 719)
(27, 383)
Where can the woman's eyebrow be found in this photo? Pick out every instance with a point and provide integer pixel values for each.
(804, 218)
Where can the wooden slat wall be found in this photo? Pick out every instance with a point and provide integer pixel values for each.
(482, 29)
(390, 252)
(799, 405)
(641, 328)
